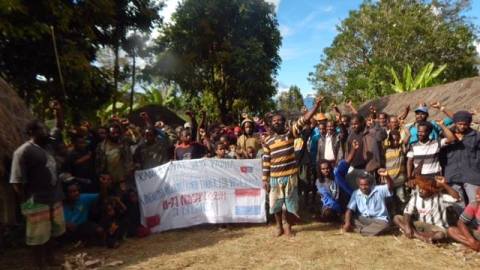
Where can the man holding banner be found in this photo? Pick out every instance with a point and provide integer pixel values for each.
(280, 168)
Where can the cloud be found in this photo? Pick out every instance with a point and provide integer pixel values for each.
(327, 9)
(286, 31)
(289, 53)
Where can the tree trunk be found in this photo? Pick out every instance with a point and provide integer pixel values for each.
(132, 91)
(115, 76)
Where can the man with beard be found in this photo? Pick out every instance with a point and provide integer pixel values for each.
(421, 115)
(367, 158)
(462, 166)
(80, 164)
(430, 205)
(34, 178)
(280, 168)
(114, 158)
(247, 139)
(427, 151)
(152, 151)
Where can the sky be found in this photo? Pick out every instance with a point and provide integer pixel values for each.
(307, 27)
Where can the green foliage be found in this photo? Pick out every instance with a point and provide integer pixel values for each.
(81, 29)
(291, 100)
(224, 49)
(425, 78)
(395, 33)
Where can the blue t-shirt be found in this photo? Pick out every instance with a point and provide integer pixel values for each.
(434, 135)
(372, 205)
(78, 212)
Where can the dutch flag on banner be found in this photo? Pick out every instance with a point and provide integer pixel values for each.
(247, 202)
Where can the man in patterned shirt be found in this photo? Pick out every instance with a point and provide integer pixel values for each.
(280, 168)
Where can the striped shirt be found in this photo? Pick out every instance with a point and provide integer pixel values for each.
(278, 158)
(429, 153)
(432, 210)
(395, 165)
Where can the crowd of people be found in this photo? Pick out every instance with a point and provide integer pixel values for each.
(370, 174)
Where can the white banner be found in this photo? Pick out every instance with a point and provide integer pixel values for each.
(184, 193)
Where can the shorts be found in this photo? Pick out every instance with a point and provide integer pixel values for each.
(426, 227)
(284, 193)
(43, 221)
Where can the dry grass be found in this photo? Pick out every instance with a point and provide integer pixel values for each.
(316, 246)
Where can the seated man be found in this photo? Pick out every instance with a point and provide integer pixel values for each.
(369, 204)
(431, 205)
(332, 186)
(467, 230)
(76, 211)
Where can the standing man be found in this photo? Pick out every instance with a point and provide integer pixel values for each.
(280, 168)
(34, 178)
(114, 158)
(462, 168)
(426, 151)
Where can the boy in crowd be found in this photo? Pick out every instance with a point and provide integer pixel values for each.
(430, 204)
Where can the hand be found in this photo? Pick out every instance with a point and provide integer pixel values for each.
(441, 181)
(144, 115)
(355, 145)
(436, 105)
(159, 124)
(114, 118)
(372, 109)
(256, 119)
(189, 113)
(319, 100)
(266, 186)
(244, 115)
(410, 183)
(475, 245)
(439, 122)
(125, 122)
(349, 103)
(382, 172)
(304, 110)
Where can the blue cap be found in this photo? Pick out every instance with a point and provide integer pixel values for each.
(423, 109)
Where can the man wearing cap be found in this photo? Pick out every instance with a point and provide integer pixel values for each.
(421, 114)
(247, 139)
(320, 118)
(462, 168)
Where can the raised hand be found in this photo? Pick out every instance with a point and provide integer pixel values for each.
(382, 172)
(55, 105)
(436, 105)
(441, 181)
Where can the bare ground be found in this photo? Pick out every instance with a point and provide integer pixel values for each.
(316, 246)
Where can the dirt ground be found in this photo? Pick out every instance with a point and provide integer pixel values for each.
(315, 246)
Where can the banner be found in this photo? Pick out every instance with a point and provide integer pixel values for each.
(184, 193)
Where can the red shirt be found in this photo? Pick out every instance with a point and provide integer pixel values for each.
(470, 213)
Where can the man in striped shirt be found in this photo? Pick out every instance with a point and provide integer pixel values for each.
(431, 206)
(280, 168)
(427, 151)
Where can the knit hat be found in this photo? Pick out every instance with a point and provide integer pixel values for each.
(462, 116)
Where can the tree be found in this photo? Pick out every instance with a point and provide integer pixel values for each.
(394, 33)
(291, 100)
(28, 59)
(224, 49)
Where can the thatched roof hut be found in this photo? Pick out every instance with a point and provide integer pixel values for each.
(459, 95)
(14, 116)
(156, 113)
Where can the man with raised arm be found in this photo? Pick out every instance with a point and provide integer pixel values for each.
(280, 168)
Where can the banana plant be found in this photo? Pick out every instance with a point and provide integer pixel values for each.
(408, 83)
